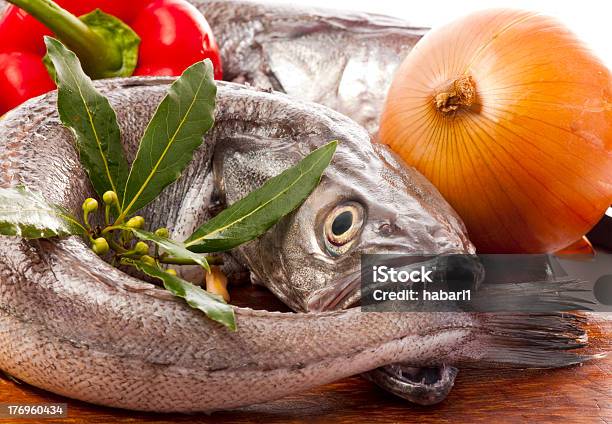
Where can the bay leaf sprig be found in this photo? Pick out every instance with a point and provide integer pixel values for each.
(174, 133)
(92, 119)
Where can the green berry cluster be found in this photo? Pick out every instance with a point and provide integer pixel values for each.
(116, 238)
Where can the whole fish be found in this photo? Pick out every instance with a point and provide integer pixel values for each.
(343, 60)
(281, 48)
(340, 59)
(75, 325)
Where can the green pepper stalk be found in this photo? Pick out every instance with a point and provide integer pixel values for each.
(100, 57)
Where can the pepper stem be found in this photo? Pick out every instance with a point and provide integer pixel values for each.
(95, 53)
(461, 92)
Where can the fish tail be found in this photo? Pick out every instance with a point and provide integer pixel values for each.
(546, 340)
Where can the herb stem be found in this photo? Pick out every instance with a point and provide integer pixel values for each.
(107, 215)
(86, 220)
(130, 253)
(111, 228)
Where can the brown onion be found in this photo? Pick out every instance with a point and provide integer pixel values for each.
(509, 115)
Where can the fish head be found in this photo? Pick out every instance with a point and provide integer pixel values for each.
(368, 202)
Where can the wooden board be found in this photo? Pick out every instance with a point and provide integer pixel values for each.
(573, 395)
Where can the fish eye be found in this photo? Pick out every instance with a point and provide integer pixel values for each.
(342, 226)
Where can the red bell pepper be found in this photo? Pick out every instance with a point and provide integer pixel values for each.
(173, 35)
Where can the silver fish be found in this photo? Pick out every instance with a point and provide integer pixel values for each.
(343, 60)
(73, 324)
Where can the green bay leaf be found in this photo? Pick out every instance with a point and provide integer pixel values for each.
(26, 214)
(176, 249)
(174, 132)
(211, 304)
(92, 119)
(254, 214)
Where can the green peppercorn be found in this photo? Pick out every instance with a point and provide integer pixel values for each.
(141, 248)
(148, 260)
(162, 232)
(100, 246)
(90, 205)
(110, 197)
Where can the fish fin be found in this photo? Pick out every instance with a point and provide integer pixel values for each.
(546, 296)
(550, 340)
(581, 247)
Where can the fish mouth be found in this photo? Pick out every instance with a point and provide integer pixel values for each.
(338, 296)
(347, 291)
(423, 386)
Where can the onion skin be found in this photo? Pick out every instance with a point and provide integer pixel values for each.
(525, 157)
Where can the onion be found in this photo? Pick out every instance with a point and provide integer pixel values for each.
(509, 115)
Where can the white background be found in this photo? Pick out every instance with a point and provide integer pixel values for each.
(591, 20)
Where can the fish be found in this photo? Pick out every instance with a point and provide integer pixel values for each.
(340, 59)
(343, 60)
(72, 324)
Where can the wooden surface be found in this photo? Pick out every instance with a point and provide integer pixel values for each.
(573, 395)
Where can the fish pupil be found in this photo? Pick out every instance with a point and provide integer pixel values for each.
(342, 223)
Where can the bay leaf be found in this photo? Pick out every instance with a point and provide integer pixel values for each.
(92, 119)
(254, 214)
(211, 304)
(175, 131)
(26, 214)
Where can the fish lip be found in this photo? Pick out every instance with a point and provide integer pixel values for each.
(403, 381)
(347, 292)
(337, 296)
(343, 294)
